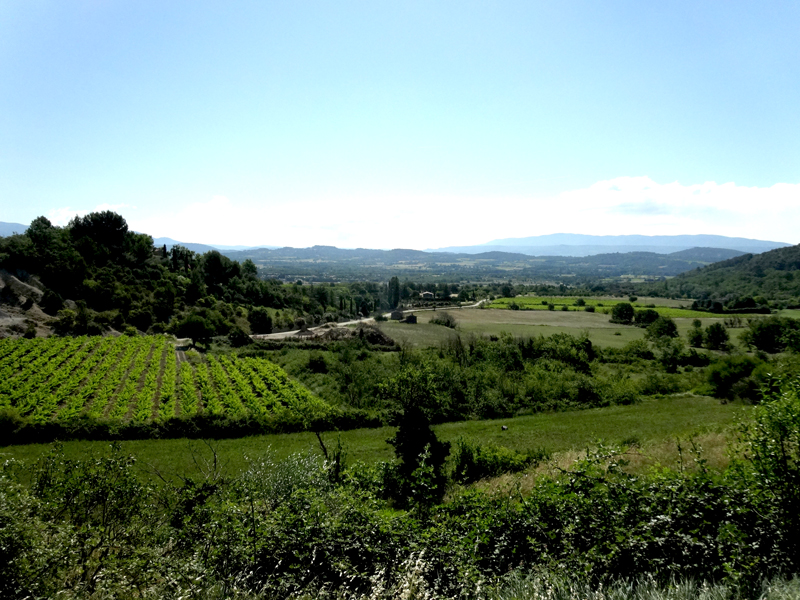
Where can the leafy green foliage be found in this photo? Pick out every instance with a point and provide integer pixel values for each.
(772, 443)
(474, 461)
(695, 335)
(661, 327)
(729, 377)
(645, 317)
(622, 313)
(747, 281)
(260, 320)
(419, 473)
(83, 528)
(716, 337)
(195, 327)
(444, 318)
(772, 334)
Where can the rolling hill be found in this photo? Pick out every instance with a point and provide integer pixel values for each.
(772, 276)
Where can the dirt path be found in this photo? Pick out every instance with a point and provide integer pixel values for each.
(181, 344)
(286, 334)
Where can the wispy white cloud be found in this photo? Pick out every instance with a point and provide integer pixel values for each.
(62, 216)
(622, 205)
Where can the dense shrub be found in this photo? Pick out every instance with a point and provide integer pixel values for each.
(728, 377)
(445, 319)
(643, 318)
(716, 337)
(622, 313)
(472, 461)
(695, 335)
(662, 327)
(317, 363)
(286, 528)
(770, 334)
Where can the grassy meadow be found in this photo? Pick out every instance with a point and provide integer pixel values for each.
(518, 323)
(664, 306)
(533, 319)
(653, 425)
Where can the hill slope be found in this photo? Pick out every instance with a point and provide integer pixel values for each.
(772, 276)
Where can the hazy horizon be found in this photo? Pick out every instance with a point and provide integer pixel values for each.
(403, 125)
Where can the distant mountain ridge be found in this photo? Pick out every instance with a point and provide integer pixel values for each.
(202, 248)
(555, 244)
(575, 244)
(169, 243)
(328, 263)
(7, 229)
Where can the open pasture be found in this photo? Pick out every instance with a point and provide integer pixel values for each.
(516, 322)
(140, 380)
(664, 306)
(523, 323)
(653, 424)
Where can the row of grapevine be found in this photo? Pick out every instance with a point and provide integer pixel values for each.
(26, 364)
(16, 360)
(21, 391)
(289, 393)
(230, 400)
(143, 402)
(65, 380)
(253, 400)
(139, 380)
(119, 409)
(188, 391)
(77, 400)
(207, 391)
(167, 397)
(108, 386)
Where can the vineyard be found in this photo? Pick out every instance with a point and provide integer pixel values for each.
(140, 384)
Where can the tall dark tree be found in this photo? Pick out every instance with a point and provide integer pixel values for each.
(195, 327)
(260, 320)
(716, 337)
(394, 292)
(99, 236)
(414, 393)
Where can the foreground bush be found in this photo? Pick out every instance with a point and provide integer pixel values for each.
(474, 461)
(300, 528)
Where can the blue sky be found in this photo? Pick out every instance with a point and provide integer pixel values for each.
(403, 124)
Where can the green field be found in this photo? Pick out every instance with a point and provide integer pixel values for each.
(141, 380)
(664, 306)
(498, 319)
(650, 422)
(516, 322)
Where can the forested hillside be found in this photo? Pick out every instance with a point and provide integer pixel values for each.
(96, 274)
(743, 281)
